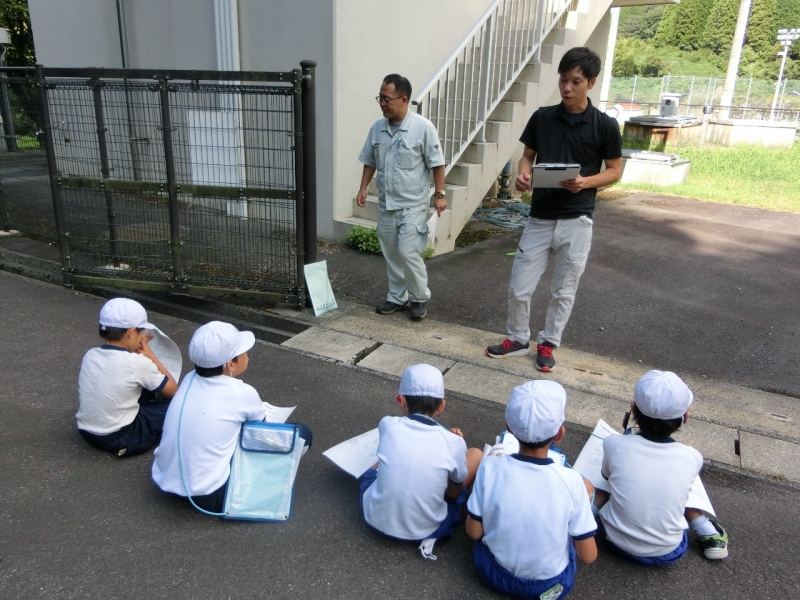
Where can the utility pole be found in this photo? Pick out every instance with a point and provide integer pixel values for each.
(733, 61)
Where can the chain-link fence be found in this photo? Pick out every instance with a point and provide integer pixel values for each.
(752, 98)
(161, 180)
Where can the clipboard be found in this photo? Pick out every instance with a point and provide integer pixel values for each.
(547, 175)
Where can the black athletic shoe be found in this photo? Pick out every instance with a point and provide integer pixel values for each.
(388, 308)
(544, 357)
(508, 348)
(417, 310)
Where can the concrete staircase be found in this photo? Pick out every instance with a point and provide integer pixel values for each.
(468, 181)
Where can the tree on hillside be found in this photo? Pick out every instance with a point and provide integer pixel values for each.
(721, 24)
(639, 21)
(760, 40)
(683, 24)
(15, 17)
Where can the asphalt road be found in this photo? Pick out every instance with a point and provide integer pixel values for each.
(77, 523)
(693, 287)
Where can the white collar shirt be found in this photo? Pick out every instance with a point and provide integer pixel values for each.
(416, 458)
(530, 508)
(215, 409)
(403, 160)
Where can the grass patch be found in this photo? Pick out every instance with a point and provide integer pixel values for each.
(745, 175)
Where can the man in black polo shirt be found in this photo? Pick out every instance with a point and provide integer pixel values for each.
(560, 223)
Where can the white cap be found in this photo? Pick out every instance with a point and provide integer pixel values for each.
(124, 313)
(422, 380)
(662, 395)
(535, 410)
(215, 343)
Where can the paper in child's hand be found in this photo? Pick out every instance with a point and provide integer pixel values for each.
(357, 454)
(277, 414)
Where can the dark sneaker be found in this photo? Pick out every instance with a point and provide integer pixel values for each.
(544, 357)
(417, 310)
(388, 308)
(715, 547)
(508, 348)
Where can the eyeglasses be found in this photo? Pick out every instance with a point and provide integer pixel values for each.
(386, 99)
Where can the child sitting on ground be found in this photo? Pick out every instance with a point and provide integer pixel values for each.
(119, 383)
(216, 406)
(417, 489)
(529, 516)
(650, 476)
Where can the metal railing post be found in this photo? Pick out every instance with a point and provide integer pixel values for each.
(485, 76)
(310, 160)
(105, 170)
(55, 192)
(539, 31)
(175, 243)
(299, 178)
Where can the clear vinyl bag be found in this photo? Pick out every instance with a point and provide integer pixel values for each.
(263, 471)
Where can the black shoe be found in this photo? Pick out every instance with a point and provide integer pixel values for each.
(544, 357)
(388, 308)
(508, 348)
(417, 310)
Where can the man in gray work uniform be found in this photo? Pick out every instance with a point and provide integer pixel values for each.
(403, 148)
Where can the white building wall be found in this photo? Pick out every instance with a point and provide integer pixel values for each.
(76, 33)
(372, 39)
(277, 36)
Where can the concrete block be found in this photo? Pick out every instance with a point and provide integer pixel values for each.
(339, 346)
(369, 211)
(714, 442)
(645, 171)
(393, 360)
(769, 455)
(481, 383)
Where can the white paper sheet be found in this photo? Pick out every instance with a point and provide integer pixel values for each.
(277, 414)
(590, 463)
(357, 454)
(432, 224)
(167, 352)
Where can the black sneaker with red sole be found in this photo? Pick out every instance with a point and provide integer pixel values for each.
(508, 348)
(544, 357)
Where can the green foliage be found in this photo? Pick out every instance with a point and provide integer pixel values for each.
(639, 21)
(364, 239)
(683, 24)
(721, 26)
(15, 17)
(624, 64)
(761, 31)
(428, 253)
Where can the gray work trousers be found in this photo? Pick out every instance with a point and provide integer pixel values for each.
(403, 235)
(568, 242)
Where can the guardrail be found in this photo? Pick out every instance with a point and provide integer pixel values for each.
(473, 80)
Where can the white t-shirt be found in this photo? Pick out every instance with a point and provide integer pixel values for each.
(109, 387)
(215, 410)
(415, 460)
(529, 508)
(649, 484)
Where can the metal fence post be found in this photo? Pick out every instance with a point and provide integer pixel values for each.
(310, 160)
(105, 170)
(5, 112)
(172, 185)
(55, 192)
(299, 177)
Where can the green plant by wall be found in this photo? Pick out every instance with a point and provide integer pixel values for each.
(364, 239)
(428, 253)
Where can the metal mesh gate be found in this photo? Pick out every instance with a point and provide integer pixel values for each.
(176, 181)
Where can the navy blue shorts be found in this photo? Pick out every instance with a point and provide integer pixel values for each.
(140, 435)
(454, 507)
(664, 560)
(500, 579)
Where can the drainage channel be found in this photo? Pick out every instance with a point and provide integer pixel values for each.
(266, 326)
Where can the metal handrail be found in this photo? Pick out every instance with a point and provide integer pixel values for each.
(476, 76)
